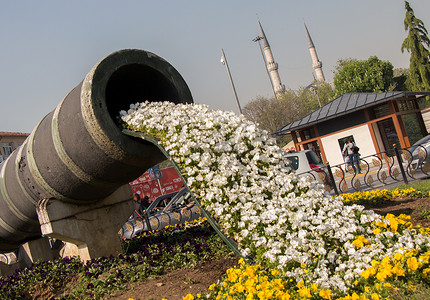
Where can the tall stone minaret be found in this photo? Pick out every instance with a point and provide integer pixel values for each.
(272, 67)
(316, 64)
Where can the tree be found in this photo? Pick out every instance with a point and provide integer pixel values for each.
(271, 114)
(417, 43)
(400, 77)
(314, 96)
(372, 75)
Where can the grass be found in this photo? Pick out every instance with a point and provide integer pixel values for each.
(423, 186)
(425, 214)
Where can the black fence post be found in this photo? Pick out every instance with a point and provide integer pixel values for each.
(148, 224)
(330, 175)
(399, 160)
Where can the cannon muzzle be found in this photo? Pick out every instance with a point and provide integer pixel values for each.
(77, 153)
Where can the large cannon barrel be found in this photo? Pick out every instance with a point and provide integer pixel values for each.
(77, 153)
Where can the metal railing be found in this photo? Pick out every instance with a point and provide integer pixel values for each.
(379, 170)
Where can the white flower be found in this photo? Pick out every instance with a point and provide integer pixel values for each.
(238, 173)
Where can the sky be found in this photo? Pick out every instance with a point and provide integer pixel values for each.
(48, 47)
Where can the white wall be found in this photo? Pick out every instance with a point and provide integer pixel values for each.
(362, 137)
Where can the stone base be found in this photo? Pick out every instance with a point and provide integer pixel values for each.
(93, 228)
(28, 254)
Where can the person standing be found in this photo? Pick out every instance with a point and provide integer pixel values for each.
(348, 150)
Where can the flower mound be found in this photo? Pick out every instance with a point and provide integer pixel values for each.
(240, 176)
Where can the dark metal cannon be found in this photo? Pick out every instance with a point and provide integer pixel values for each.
(77, 154)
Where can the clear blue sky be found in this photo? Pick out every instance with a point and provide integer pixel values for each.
(47, 47)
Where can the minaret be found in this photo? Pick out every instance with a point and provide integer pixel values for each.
(316, 64)
(272, 67)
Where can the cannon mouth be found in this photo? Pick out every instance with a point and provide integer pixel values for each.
(137, 83)
(118, 80)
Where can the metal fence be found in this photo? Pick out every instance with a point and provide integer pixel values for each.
(380, 170)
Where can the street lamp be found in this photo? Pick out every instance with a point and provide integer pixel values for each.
(224, 62)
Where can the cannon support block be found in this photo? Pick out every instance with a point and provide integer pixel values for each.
(93, 228)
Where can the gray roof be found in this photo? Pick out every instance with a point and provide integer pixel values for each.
(345, 104)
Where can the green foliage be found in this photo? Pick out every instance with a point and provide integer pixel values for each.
(400, 77)
(423, 186)
(417, 44)
(354, 76)
(146, 256)
(425, 213)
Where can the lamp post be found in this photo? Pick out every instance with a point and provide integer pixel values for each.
(224, 62)
(258, 39)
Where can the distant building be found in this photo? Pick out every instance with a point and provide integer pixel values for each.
(9, 141)
(316, 63)
(271, 65)
(374, 121)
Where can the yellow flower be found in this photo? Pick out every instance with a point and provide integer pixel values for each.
(305, 293)
(188, 297)
(382, 275)
(232, 274)
(376, 231)
(277, 284)
(398, 270)
(300, 284)
(283, 296)
(366, 273)
(325, 294)
(314, 287)
(375, 296)
(360, 241)
(412, 263)
(381, 224)
(249, 285)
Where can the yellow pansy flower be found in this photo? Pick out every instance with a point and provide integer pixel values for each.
(188, 297)
(325, 294)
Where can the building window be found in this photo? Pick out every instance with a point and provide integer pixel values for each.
(412, 126)
(342, 141)
(405, 105)
(308, 133)
(7, 149)
(379, 111)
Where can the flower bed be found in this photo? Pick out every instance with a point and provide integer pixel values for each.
(146, 256)
(376, 197)
(399, 272)
(282, 222)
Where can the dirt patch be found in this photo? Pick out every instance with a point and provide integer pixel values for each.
(412, 207)
(178, 283)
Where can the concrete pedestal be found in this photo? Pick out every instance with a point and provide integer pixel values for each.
(28, 253)
(93, 228)
(35, 250)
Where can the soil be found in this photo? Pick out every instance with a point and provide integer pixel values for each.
(415, 208)
(178, 283)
